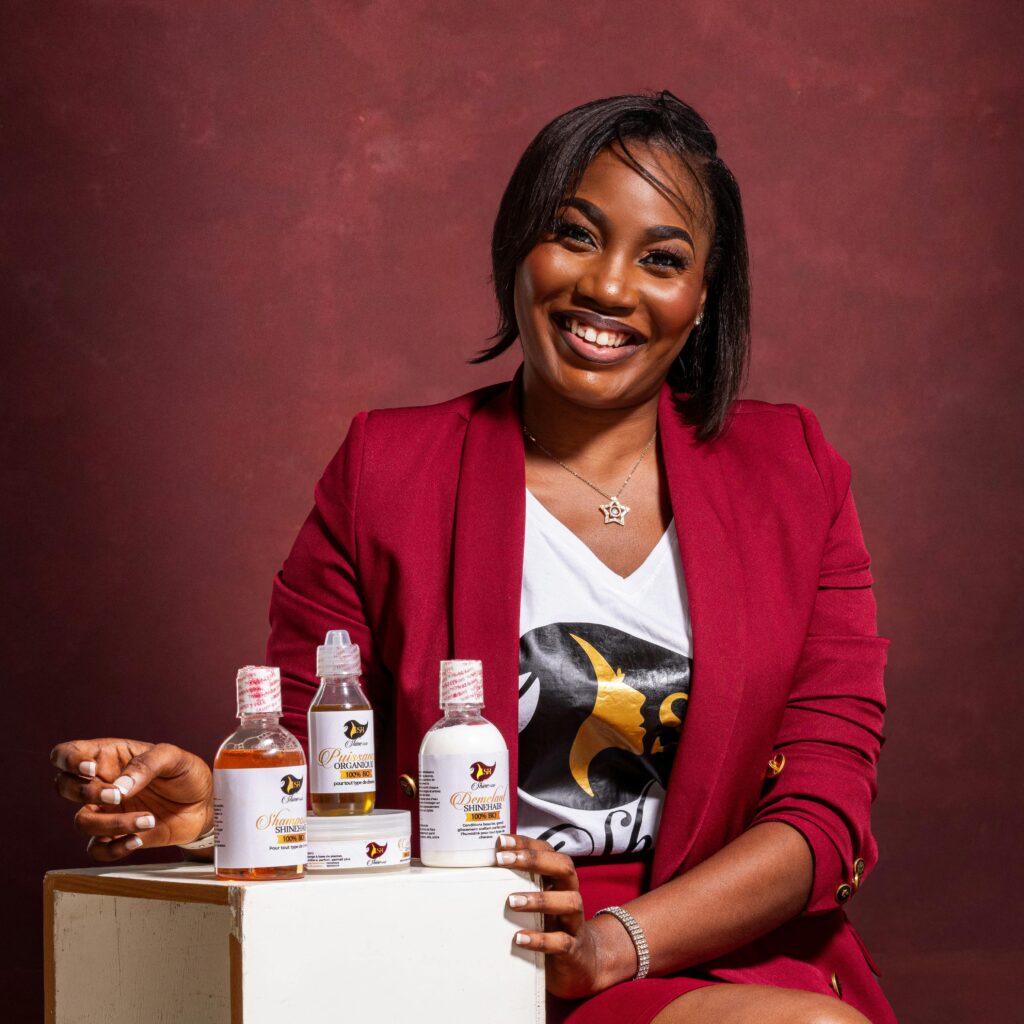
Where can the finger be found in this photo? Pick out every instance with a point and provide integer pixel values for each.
(70, 787)
(164, 760)
(77, 757)
(566, 903)
(107, 850)
(518, 842)
(556, 866)
(79, 791)
(558, 943)
(92, 821)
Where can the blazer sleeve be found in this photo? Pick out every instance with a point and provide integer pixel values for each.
(318, 589)
(831, 729)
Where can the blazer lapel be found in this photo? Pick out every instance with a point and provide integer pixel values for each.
(715, 589)
(487, 565)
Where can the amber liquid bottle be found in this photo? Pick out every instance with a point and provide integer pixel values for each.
(259, 788)
(341, 751)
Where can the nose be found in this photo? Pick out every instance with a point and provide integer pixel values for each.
(607, 282)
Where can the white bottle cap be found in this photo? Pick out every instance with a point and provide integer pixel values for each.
(462, 682)
(259, 690)
(337, 656)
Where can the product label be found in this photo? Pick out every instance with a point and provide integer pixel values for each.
(464, 801)
(341, 748)
(359, 853)
(259, 816)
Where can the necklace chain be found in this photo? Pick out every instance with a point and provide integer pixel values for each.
(583, 479)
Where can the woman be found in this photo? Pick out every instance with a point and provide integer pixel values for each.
(613, 525)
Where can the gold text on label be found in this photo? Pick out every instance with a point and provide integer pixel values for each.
(277, 820)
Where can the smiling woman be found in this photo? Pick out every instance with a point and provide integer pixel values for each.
(676, 577)
(609, 251)
(636, 179)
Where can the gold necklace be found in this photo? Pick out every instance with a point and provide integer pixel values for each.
(614, 511)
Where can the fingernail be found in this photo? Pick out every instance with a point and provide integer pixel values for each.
(522, 939)
(506, 842)
(517, 901)
(505, 858)
(88, 769)
(125, 784)
(132, 843)
(144, 821)
(110, 796)
(59, 760)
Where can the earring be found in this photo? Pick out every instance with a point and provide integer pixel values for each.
(696, 323)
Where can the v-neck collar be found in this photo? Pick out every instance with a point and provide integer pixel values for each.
(632, 585)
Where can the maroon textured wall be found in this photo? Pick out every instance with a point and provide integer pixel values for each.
(228, 227)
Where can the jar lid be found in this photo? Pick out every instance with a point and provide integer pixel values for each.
(378, 823)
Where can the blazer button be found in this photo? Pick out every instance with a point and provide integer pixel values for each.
(775, 765)
(836, 987)
(407, 784)
(844, 892)
(858, 871)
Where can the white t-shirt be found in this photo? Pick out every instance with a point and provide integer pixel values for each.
(604, 680)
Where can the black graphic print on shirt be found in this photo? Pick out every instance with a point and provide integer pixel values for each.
(600, 715)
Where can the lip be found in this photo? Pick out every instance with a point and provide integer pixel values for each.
(599, 323)
(590, 352)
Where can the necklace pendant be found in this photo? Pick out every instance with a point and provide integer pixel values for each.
(614, 512)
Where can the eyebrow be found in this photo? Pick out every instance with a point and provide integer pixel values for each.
(656, 233)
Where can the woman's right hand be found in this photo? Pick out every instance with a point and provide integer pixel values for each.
(134, 794)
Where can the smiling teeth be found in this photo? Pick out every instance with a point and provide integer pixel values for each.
(606, 339)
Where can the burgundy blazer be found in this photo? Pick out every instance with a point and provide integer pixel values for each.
(415, 545)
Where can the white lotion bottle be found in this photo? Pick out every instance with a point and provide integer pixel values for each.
(463, 776)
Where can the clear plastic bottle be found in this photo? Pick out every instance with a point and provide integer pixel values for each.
(463, 776)
(259, 788)
(343, 777)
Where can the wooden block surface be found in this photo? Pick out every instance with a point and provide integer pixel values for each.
(170, 943)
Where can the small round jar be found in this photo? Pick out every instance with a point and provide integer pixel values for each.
(378, 841)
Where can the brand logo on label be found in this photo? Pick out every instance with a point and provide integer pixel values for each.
(375, 851)
(290, 784)
(480, 771)
(354, 729)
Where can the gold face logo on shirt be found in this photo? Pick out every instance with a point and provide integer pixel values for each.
(354, 729)
(617, 721)
(600, 712)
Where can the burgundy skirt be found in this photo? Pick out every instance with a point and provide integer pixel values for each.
(608, 883)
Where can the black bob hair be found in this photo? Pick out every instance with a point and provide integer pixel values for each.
(712, 365)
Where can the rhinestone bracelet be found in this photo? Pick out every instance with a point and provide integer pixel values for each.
(636, 933)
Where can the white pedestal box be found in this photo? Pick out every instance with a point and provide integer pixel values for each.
(169, 943)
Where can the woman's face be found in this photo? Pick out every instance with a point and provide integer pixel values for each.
(606, 301)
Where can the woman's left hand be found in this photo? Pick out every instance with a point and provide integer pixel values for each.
(576, 963)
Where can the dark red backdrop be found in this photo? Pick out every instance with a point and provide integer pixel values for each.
(229, 226)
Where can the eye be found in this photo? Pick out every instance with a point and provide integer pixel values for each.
(668, 260)
(567, 229)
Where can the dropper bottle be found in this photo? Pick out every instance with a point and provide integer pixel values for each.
(343, 779)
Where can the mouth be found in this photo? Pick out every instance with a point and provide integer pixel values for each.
(592, 341)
